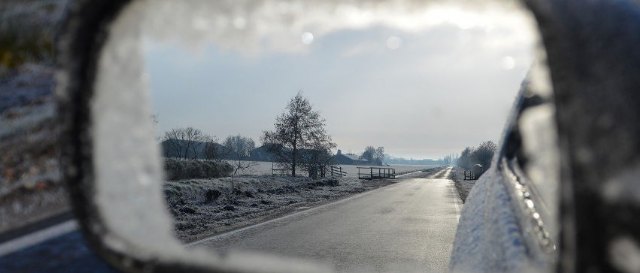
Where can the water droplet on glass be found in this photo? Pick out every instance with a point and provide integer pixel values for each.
(307, 38)
(536, 215)
(200, 23)
(508, 63)
(394, 42)
(529, 203)
(239, 22)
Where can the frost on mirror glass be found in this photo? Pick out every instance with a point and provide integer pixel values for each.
(338, 132)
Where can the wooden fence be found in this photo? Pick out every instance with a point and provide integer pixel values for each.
(470, 175)
(370, 173)
(336, 171)
(279, 171)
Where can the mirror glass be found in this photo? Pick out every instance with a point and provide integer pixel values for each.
(345, 133)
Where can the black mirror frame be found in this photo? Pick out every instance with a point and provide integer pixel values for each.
(594, 68)
(593, 65)
(85, 32)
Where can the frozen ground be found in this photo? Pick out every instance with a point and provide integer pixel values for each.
(204, 207)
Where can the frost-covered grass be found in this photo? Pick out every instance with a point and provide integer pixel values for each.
(463, 186)
(257, 168)
(204, 207)
(208, 206)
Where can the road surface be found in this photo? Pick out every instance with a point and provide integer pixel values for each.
(405, 227)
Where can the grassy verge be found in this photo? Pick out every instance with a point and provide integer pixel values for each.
(206, 207)
(463, 186)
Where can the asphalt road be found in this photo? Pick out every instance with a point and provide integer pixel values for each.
(405, 227)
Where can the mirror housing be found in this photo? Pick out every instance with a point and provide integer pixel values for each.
(593, 65)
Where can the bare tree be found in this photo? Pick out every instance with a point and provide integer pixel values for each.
(448, 159)
(211, 151)
(481, 155)
(318, 156)
(194, 138)
(171, 143)
(466, 160)
(368, 154)
(298, 128)
(379, 155)
(484, 154)
(238, 149)
(373, 155)
(183, 142)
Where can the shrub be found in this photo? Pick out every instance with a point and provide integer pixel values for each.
(482, 155)
(211, 195)
(177, 169)
(331, 182)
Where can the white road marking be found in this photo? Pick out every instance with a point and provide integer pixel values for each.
(37, 237)
(455, 193)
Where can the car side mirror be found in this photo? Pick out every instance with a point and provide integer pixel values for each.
(110, 158)
(113, 167)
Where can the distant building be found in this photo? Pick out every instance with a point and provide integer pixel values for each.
(348, 159)
(262, 153)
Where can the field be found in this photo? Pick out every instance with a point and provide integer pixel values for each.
(264, 168)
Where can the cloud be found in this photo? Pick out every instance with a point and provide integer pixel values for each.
(439, 77)
(252, 27)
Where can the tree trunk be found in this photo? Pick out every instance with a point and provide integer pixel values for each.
(293, 161)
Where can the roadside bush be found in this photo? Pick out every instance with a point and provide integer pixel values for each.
(176, 169)
(482, 155)
(331, 182)
(211, 195)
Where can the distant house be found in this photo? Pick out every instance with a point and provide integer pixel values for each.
(348, 159)
(262, 153)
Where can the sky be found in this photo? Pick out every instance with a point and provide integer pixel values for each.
(422, 82)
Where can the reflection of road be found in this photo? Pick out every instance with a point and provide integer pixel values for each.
(405, 227)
